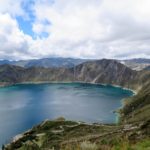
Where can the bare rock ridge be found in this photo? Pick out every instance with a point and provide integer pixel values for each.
(106, 72)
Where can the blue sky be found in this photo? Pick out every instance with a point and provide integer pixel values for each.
(25, 23)
(78, 28)
(25, 26)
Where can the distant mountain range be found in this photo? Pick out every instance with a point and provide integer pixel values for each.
(139, 60)
(135, 64)
(46, 62)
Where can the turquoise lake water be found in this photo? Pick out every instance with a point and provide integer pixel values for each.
(25, 105)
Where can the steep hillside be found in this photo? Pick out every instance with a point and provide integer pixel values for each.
(14, 74)
(46, 62)
(137, 108)
(11, 74)
(105, 71)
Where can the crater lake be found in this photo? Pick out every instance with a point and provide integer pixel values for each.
(23, 106)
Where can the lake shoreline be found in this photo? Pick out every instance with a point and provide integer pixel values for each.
(113, 85)
(67, 82)
(79, 82)
(96, 122)
(5, 84)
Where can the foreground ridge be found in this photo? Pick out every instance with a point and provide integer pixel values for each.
(63, 134)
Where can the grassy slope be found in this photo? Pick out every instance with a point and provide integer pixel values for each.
(68, 135)
(137, 108)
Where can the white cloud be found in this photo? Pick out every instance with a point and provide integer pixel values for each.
(78, 28)
(14, 43)
(13, 7)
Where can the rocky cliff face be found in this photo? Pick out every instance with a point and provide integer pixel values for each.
(106, 72)
(14, 74)
(11, 74)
